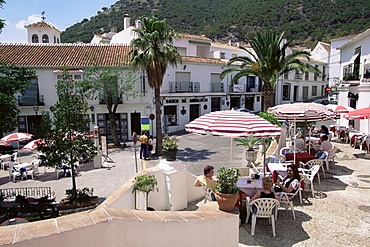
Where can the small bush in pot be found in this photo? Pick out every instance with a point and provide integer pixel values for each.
(226, 191)
(170, 146)
(249, 142)
(146, 184)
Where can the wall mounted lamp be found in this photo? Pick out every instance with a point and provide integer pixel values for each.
(36, 108)
(92, 108)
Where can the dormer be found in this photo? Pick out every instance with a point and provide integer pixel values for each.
(42, 32)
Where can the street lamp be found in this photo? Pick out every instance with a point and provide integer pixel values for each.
(36, 108)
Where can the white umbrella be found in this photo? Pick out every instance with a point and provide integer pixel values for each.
(302, 112)
(231, 123)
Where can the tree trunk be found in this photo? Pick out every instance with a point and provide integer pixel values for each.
(158, 122)
(113, 128)
(268, 96)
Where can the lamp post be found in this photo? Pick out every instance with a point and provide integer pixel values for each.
(97, 158)
(36, 108)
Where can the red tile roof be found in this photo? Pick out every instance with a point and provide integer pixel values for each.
(74, 55)
(193, 36)
(60, 55)
(202, 60)
(42, 24)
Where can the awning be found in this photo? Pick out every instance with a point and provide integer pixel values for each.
(352, 60)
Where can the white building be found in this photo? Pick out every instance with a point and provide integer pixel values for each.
(188, 91)
(42, 32)
(353, 71)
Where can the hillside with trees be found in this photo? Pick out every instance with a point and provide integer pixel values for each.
(305, 21)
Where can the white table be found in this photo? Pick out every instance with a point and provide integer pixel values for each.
(280, 168)
(5, 156)
(27, 166)
(250, 188)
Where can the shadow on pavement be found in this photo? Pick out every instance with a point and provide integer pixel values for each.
(288, 230)
(191, 155)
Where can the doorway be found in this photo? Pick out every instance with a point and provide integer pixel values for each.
(249, 103)
(215, 103)
(235, 102)
(135, 123)
(194, 112)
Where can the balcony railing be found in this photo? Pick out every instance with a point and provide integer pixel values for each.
(30, 100)
(184, 87)
(217, 87)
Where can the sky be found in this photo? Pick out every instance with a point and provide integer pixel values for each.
(61, 14)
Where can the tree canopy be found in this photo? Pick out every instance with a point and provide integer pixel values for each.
(110, 85)
(319, 20)
(268, 61)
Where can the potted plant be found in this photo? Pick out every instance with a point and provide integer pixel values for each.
(145, 184)
(170, 146)
(226, 191)
(249, 142)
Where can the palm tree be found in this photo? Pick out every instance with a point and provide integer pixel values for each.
(153, 50)
(268, 61)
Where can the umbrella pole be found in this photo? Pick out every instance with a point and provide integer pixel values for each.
(295, 129)
(264, 157)
(231, 150)
(19, 153)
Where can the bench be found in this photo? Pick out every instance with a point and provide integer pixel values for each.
(35, 192)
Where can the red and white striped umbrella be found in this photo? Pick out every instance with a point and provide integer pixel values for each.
(17, 137)
(363, 113)
(302, 112)
(32, 145)
(343, 109)
(232, 123)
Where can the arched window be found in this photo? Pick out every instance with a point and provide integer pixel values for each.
(55, 40)
(35, 38)
(58, 40)
(45, 38)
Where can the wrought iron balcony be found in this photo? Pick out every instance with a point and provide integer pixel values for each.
(184, 87)
(217, 87)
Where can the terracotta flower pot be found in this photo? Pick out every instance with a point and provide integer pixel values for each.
(226, 202)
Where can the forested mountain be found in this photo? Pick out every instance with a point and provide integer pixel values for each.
(302, 20)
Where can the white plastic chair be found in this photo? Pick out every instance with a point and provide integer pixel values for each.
(263, 208)
(323, 155)
(208, 193)
(309, 175)
(331, 154)
(13, 173)
(285, 150)
(309, 164)
(287, 198)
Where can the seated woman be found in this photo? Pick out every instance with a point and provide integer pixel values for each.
(324, 130)
(290, 182)
(267, 185)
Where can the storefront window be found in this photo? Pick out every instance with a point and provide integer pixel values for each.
(170, 113)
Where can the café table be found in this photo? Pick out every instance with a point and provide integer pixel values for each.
(26, 166)
(280, 168)
(304, 157)
(251, 188)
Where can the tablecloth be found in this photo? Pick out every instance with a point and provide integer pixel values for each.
(304, 157)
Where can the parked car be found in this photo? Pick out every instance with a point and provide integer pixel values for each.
(322, 101)
(247, 110)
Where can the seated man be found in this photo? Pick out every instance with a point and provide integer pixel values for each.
(207, 178)
(325, 144)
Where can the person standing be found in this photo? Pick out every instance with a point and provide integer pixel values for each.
(143, 141)
(150, 146)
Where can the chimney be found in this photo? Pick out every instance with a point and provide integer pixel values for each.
(126, 21)
(138, 24)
